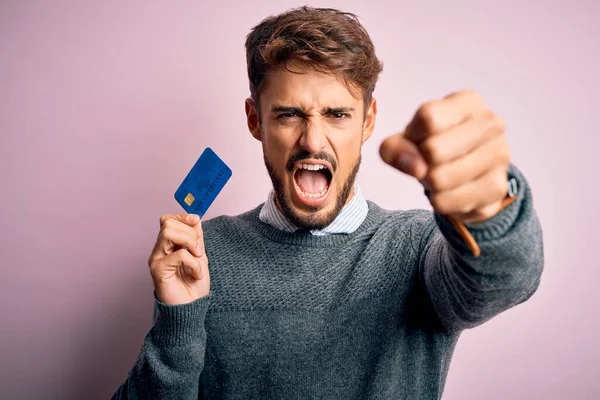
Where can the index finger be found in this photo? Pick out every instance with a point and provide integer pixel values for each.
(437, 116)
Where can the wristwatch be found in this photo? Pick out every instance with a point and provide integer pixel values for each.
(511, 196)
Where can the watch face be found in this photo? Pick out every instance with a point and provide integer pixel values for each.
(512, 187)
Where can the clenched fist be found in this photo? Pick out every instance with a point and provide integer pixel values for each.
(457, 149)
(178, 263)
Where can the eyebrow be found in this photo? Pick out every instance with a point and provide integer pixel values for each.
(326, 110)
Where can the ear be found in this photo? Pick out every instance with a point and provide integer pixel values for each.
(369, 122)
(253, 119)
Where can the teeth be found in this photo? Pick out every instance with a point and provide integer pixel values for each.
(312, 167)
(314, 195)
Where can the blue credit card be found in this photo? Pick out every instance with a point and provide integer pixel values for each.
(203, 183)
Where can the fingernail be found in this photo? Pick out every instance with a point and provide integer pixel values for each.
(191, 217)
(405, 162)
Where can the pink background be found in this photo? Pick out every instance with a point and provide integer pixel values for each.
(104, 107)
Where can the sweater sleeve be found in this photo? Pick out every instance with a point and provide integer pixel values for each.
(172, 355)
(467, 291)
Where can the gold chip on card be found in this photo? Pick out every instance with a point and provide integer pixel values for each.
(189, 199)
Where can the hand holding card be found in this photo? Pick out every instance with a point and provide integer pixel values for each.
(178, 263)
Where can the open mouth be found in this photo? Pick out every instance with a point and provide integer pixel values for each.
(312, 180)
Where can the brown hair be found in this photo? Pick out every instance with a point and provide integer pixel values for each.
(325, 39)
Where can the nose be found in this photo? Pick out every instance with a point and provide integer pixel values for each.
(313, 137)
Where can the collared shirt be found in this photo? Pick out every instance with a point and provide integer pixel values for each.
(348, 220)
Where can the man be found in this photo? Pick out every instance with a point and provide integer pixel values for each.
(318, 292)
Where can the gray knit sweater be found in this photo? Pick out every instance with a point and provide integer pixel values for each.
(370, 315)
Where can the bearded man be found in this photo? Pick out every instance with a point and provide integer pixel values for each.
(319, 293)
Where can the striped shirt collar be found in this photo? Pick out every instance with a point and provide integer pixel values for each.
(348, 220)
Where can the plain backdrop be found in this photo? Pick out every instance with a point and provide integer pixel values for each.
(105, 106)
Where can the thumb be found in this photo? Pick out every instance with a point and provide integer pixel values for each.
(195, 222)
(192, 220)
(404, 155)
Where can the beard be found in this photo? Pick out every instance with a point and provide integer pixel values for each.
(311, 221)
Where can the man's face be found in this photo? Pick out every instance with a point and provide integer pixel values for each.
(311, 128)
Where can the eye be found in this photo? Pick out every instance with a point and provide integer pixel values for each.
(287, 115)
(340, 115)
